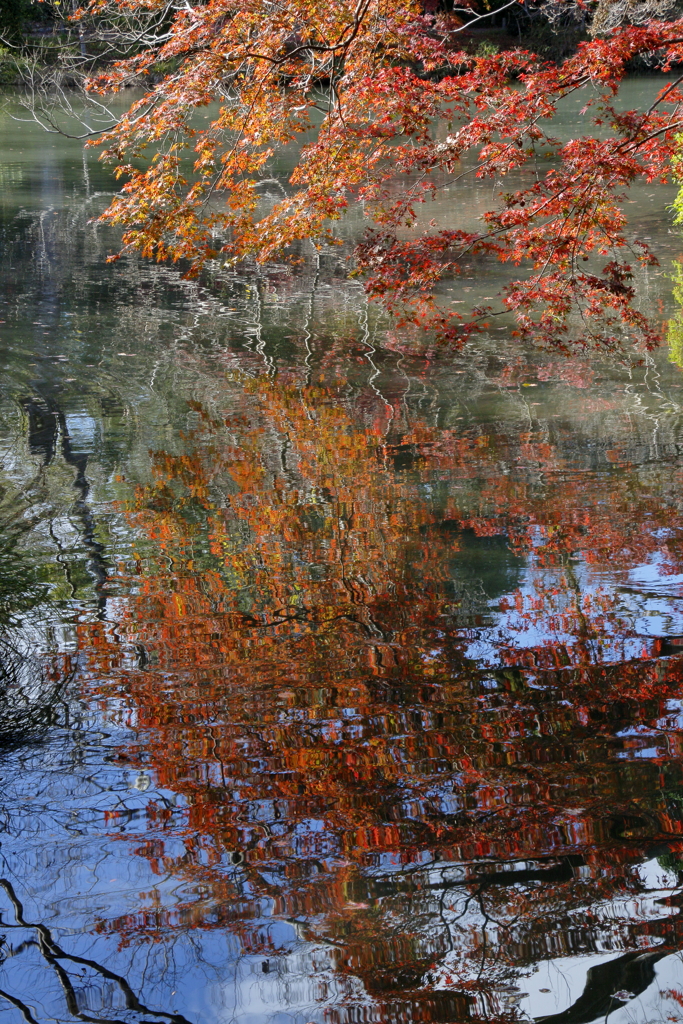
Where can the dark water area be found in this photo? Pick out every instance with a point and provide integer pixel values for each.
(339, 681)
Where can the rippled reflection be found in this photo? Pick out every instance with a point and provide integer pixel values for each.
(415, 728)
(337, 683)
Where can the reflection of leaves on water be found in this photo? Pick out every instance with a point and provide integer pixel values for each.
(436, 754)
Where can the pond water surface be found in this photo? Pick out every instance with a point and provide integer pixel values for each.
(340, 682)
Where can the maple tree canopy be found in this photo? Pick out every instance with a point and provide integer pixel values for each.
(385, 111)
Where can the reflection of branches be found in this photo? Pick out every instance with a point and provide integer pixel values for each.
(53, 954)
(28, 692)
(21, 1006)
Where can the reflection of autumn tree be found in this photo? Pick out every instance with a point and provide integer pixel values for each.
(302, 613)
(295, 518)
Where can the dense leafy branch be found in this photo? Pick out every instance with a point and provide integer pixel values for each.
(387, 111)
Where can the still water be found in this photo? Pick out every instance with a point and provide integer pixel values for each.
(342, 681)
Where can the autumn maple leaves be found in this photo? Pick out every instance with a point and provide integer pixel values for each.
(385, 112)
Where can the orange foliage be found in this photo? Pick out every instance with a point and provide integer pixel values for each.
(309, 686)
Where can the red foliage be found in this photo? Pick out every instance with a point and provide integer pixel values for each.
(387, 111)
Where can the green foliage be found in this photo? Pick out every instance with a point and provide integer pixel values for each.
(14, 15)
(675, 340)
(486, 48)
(9, 66)
(17, 20)
(551, 43)
(677, 167)
(674, 334)
(675, 328)
(670, 861)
